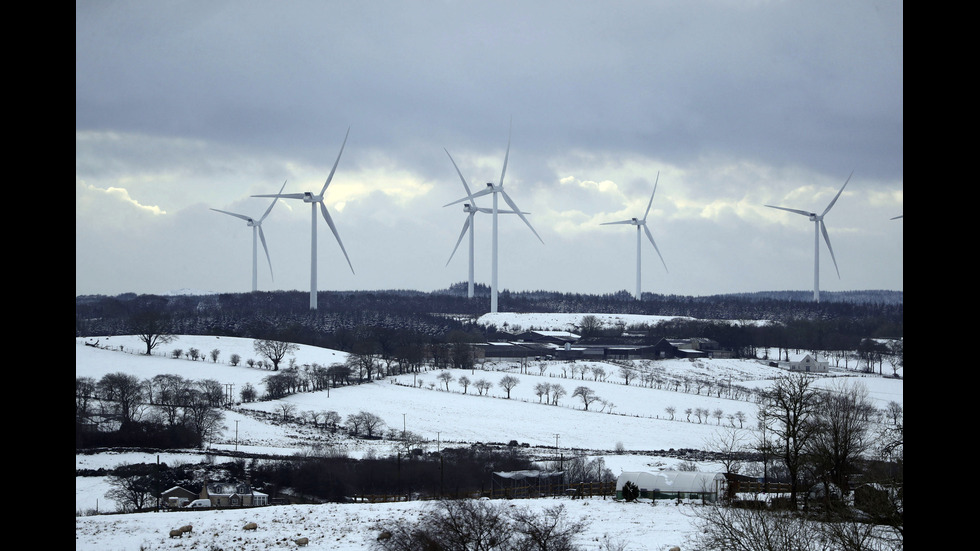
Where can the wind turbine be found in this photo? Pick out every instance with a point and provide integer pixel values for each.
(496, 190)
(642, 223)
(315, 200)
(257, 230)
(818, 228)
(470, 209)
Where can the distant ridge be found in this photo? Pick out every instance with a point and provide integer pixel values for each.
(856, 297)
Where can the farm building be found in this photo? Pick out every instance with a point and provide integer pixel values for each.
(233, 494)
(525, 483)
(808, 364)
(177, 497)
(674, 484)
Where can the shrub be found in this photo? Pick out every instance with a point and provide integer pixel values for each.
(630, 491)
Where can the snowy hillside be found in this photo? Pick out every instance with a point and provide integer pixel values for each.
(624, 427)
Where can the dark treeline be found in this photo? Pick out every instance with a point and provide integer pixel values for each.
(136, 434)
(453, 472)
(344, 318)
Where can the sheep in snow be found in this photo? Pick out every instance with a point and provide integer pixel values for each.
(251, 526)
(302, 541)
(186, 528)
(176, 533)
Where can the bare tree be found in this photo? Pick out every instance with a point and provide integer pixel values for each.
(557, 391)
(464, 382)
(483, 385)
(590, 326)
(131, 487)
(123, 393)
(287, 410)
(84, 396)
(540, 389)
(586, 394)
(371, 423)
(203, 419)
(730, 445)
(508, 382)
(446, 377)
(274, 350)
(152, 328)
(627, 373)
(842, 434)
(788, 407)
(331, 420)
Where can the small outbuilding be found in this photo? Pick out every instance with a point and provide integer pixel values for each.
(177, 497)
(674, 485)
(530, 483)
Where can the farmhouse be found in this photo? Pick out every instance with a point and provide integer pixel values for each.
(674, 485)
(808, 364)
(233, 494)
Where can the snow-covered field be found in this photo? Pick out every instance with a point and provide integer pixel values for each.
(622, 427)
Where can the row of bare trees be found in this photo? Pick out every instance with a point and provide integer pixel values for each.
(168, 402)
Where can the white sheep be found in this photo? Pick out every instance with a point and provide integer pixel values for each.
(176, 533)
(302, 541)
(674, 548)
(186, 528)
(251, 526)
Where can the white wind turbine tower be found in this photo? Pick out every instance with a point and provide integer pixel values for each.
(470, 209)
(315, 200)
(496, 190)
(818, 228)
(642, 223)
(256, 231)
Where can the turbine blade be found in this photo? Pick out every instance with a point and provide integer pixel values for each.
(242, 216)
(620, 222)
(650, 237)
(506, 156)
(838, 194)
(469, 198)
(897, 217)
(264, 246)
(284, 195)
(268, 210)
(826, 238)
(466, 226)
(465, 185)
(334, 169)
(803, 212)
(490, 211)
(519, 213)
(326, 216)
(650, 204)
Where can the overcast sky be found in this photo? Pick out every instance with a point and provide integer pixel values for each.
(185, 106)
